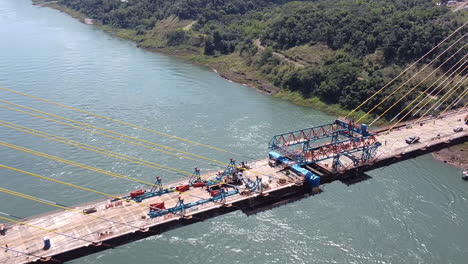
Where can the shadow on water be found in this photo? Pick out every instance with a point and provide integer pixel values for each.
(355, 179)
(304, 193)
(274, 202)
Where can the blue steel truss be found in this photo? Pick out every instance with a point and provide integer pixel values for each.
(196, 177)
(147, 195)
(180, 207)
(156, 190)
(304, 135)
(361, 130)
(157, 185)
(359, 139)
(230, 169)
(254, 185)
(366, 145)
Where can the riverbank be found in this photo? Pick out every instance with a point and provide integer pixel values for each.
(230, 67)
(456, 156)
(52, 56)
(55, 5)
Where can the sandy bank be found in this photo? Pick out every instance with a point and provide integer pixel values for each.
(456, 156)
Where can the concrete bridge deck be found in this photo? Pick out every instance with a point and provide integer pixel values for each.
(130, 221)
(127, 219)
(433, 132)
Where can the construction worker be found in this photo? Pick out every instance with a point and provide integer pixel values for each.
(240, 176)
(2, 229)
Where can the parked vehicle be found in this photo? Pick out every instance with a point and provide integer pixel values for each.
(457, 129)
(89, 210)
(412, 140)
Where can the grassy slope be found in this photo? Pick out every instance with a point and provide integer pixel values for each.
(231, 66)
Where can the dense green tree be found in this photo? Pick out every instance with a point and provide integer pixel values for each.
(176, 38)
(370, 40)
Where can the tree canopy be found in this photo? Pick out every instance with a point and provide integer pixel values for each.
(355, 46)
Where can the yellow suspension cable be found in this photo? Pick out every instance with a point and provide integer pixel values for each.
(109, 173)
(71, 185)
(407, 81)
(124, 140)
(461, 109)
(24, 253)
(450, 95)
(456, 101)
(458, 85)
(92, 148)
(438, 92)
(416, 86)
(405, 70)
(69, 162)
(424, 92)
(26, 224)
(39, 200)
(118, 121)
(94, 127)
(78, 144)
(453, 92)
(32, 226)
(113, 137)
(45, 229)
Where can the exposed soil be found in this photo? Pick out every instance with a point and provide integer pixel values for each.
(259, 45)
(456, 156)
(223, 69)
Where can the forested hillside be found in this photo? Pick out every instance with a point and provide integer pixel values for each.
(337, 51)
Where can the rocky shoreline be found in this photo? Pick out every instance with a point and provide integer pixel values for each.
(456, 156)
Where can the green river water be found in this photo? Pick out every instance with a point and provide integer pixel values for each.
(411, 212)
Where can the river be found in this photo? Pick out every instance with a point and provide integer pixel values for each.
(411, 212)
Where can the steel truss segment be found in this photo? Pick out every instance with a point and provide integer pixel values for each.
(368, 145)
(157, 185)
(304, 135)
(229, 170)
(196, 177)
(254, 185)
(180, 207)
(358, 140)
(351, 126)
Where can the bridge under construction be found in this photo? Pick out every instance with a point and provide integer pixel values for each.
(296, 164)
(285, 176)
